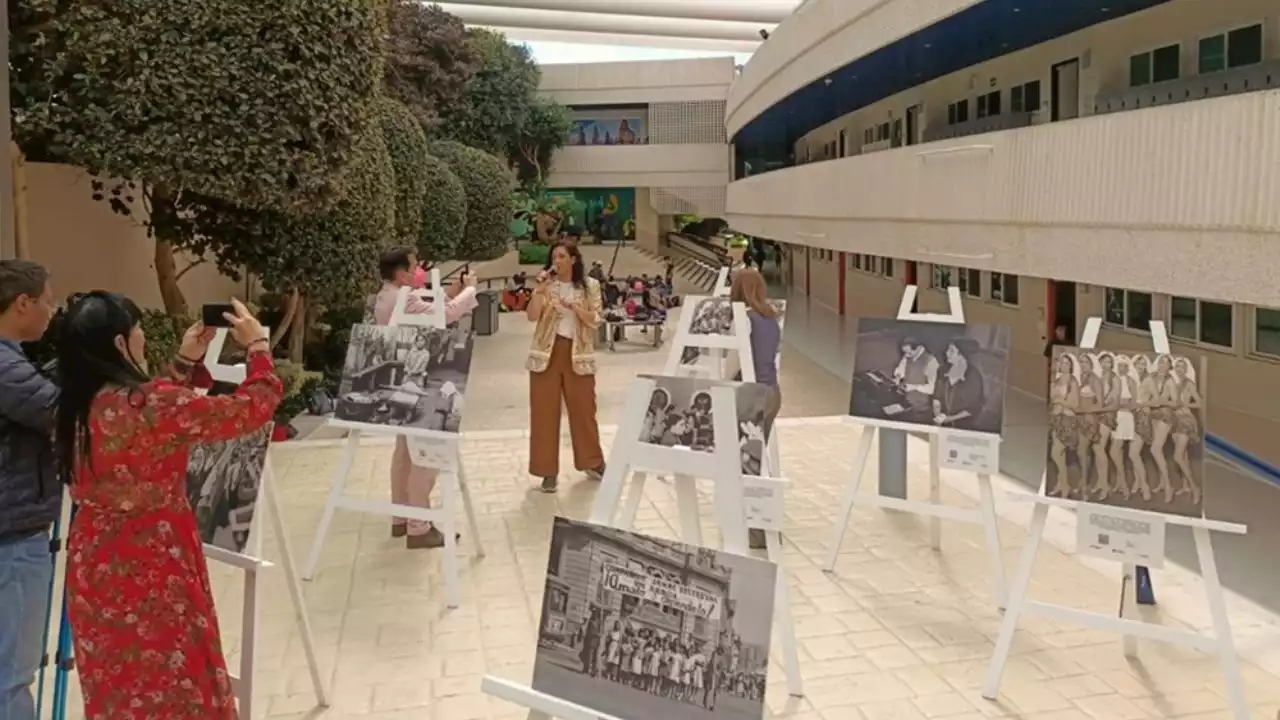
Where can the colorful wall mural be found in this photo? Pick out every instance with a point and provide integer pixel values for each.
(606, 213)
(616, 131)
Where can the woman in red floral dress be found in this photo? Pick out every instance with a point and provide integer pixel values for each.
(141, 611)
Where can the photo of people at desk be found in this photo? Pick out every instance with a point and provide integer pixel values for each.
(936, 374)
(406, 376)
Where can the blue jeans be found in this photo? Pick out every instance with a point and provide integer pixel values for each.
(26, 568)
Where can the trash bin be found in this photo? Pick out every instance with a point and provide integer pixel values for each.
(485, 320)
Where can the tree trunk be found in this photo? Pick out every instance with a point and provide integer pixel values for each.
(290, 314)
(164, 218)
(298, 331)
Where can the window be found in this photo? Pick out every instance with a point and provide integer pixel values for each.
(1004, 288)
(941, 279)
(1129, 309)
(958, 112)
(970, 281)
(1230, 50)
(1159, 65)
(1266, 331)
(989, 104)
(886, 267)
(1201, 321)
(855, 261)
(1025, 98)
(868, 136)
(882, 132)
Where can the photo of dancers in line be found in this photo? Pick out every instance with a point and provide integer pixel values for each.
(1126, 429)
(680, 415)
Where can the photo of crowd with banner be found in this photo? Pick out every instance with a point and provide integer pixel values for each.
(637, 626)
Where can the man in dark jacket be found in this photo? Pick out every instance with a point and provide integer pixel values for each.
(30, 493)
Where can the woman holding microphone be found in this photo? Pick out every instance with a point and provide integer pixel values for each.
(566, 310)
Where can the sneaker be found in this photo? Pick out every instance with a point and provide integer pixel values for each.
(596, 474)
(399, 530)
(548, 485)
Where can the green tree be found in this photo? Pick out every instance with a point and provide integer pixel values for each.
(545, 130)
(430, 59)
(215, 97)
(326, 258)
(489, 207)
(496, 104)
(444, 215)
(407, 145)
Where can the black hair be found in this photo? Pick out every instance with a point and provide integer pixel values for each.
(579, 273)
(88, 362)
(395, 260)
(21, 277)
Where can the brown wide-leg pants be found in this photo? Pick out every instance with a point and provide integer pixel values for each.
(546, 389)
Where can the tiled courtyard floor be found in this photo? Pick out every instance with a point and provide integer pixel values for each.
(899, 632)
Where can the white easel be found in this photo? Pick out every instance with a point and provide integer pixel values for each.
(724, 466)
(1220, 641)
(984, 514)
(252, 564)
(429, 448)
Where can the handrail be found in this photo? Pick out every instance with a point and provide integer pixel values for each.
(1243, 458)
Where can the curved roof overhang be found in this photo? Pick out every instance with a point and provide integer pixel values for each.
(767, 12)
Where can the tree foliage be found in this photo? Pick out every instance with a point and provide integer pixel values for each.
(430, 59)
(489, 208)
(495, 105)
(407, 145)
(545, 130)
(444, 216)
(214, 96)
(331, 256)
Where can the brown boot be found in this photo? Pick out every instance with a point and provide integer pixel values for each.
(399, 530)
(429, 540)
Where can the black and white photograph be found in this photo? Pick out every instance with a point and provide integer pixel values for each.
(707, 316)
(1127, 429)
(680, 414)
(223, 482)
(639, 627)
(407, 377)
(938, 375)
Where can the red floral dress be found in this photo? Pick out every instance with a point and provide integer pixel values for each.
(142, 616)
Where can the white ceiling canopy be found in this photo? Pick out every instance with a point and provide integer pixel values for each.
(764, 12)
(720, 25)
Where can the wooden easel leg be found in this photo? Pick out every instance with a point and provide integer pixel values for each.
(773, 456)
(850, 497)
(1221, 624)
(991, 528)
(295, 592)
(609, 496)
(935, 491)
(248, 643)
(782, 602)
(635, 494)
(336, 488)
(469, 508)
(449, 528)
(687, 499)
(1128, 600)
(1017, 599)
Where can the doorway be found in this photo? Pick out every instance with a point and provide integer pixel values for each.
(1062, 308)
(896, 137)
(1066, 90)
(844, 134)
(913, 124)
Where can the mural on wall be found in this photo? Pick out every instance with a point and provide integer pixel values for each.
(606, 213)
(616, 131)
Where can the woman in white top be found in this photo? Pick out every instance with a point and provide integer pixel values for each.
(1125, 401)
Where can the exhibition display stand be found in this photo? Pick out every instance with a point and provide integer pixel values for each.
(958, 449)
(252, 563)
(436, 449)
(1143, 544)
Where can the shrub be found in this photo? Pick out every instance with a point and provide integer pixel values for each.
(407, 146)
(534, 254)
(488, 189)
(444, 212)
(164, 336)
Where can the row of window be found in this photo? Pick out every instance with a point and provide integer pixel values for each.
(1022, 98)
(873, 264)
(1199, 321)
(1237, 48)
(1002, 288)
(822, 254)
